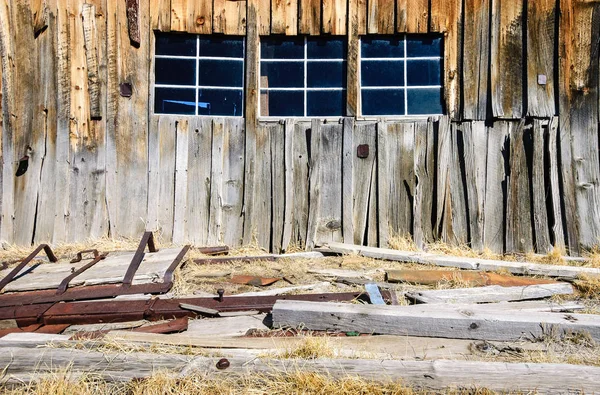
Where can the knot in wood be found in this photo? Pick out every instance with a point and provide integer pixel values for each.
(200, 21)
(473, 325)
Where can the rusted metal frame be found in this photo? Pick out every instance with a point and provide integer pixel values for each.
(10, 276)
(64, 284)
(173, 326)
(79, 256)
(138, 257)
(218, 250)
(168, 277)
(235, 259)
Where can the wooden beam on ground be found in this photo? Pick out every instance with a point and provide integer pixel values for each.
(454, 322)
(490, 294)
(468, 278)
(564, 272)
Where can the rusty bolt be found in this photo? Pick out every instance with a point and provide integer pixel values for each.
(220, 291)
(223, 363)
(362, 151)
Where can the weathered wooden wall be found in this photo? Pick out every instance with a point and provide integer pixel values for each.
(512, 166)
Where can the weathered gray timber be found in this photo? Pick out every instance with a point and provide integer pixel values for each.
(450, 321)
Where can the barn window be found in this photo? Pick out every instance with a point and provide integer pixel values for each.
(401, 75)
(199, 75)
(302, 76)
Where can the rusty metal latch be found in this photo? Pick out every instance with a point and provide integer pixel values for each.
(138, 257)
(62, 288)
(24, 262)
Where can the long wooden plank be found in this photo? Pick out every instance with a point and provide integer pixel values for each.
(288, 213)
(475, 146)
(199, 15)
(315, 183)
(262, 198)
(181, 182)
(333, 14)
(164, 172)
(417, 15)
(363, 172)
(538, 188)
(381, 17)
(541, 52)
(490, 294)
(301, 189)
(455, 322)
(566, 272)
(160, 15)
(233, 182)
(284, 17)
(229, 17)
(553, 149)
(215, 222)
(494, 230)
(519, 232)
(277, 186)
(424, 161)
(309, 17)
(179, 19)
(348, 180)
(127, 123)
(475, 61)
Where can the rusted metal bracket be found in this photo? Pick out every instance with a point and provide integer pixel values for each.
(168, 278)
(65, 282)
(138, 257)
(10, 276)
(79, 256)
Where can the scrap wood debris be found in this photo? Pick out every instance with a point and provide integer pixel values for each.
(394, 310)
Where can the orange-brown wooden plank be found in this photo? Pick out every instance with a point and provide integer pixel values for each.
(417, 15)
(284, 17)
(334, 16)
(263, 10)
(160, 15)
(381, 18)
(310, 17)
(506, 59)
(229, 17)
(179, 17)
(199, 14)
(361, 15)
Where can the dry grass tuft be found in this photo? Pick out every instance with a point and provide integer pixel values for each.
(588, 286)
(401, 242)
(311, 347)
(123, 347)
(593, 256)
(456, 281)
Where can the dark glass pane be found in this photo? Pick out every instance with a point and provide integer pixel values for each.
(174, 101)
(383, 101)
(382, 73)
(325, 103)
(423, 72)
(423, 46)
(220, 102)
(278, 48)
(282, 74)
(222, 47)
(425, 101)
(391, 47)
(175, 44)
(220, 73)
(175, 71)
(282, 103)
(326, 75)
(319, 48)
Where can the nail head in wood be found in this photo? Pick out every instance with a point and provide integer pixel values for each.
(362, 151)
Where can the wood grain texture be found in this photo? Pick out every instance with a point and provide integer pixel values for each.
(199, 16)
(180, 201)
(506, 59)
(348, 153)
(284, 17)
(263, 16)
(424, 163)
(229, 17)
(179, 20)
(301, 189)
(539, 191)
(495, 193)
(289, 134)
(309, 18)
(541, 52)
(417, 16)
(381, 17)
(334, 13)
(277, 185)
(475, 137)
(314, 185)
(476, 56)
(160, 15)
(353, 59)
(90, 35)
(557, 219)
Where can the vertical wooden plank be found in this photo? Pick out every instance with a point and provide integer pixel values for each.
(519, 235)
(165, 171)
(180, 181)
(154, 125)
(160, 15)
(300, 187)
(424, 159)
(348, 153)
(541, 45)
(495, 188)
(361, 15)
(446, 17)
(475, 148)
(233, 182)
(40, 11)
(8, 101)
(334, 17)
(251, 216)
(330, 208)
(578, 67)
(200, 15)
(401, 15)
(310, 17)
(288, 216)
(179, 19)
(199, 172)
(229, 17)
(315, 182)
(353, 59)
(363, 172)
(539, 190)
(372, 232)
(215, 221)
(555, 192)
(507, 58)
(417, 16)
(476, 59)
(277, 185)
(263, 17)
(381, 17)
(90, 35)
(127, 123)
(284, 17)
(383, 184)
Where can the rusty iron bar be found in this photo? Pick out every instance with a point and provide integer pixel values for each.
(62, 287)
(138, 257)
(235, 259)
(218, 250)
(10, 276)
(89, 312)
(79, 256)
(173, 326)
(168, 278)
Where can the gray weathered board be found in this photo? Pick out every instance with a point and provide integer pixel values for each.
(457, 322)
(435, 375)
(490, 294)
(566, 272)
(107, 271)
